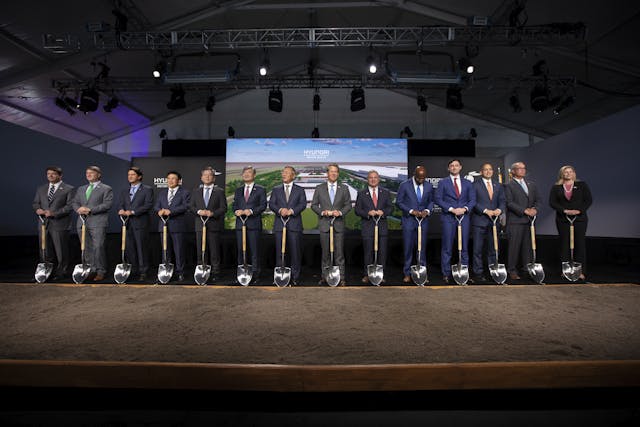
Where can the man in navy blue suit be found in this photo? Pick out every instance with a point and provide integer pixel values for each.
(173, 202)
(288, 201)
(373, 201)
(490, 203)
(456, 197)
(250, 201)
(135, 204)
(415, 200)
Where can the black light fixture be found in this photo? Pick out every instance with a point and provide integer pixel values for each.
(163, 134)
(407, 132)
(316, 102)
(371, 64)
(62, 104)
(315, 133)
(89, 99)
(540, 68)
(567, 102)
(177, 100)
(466, 66)
(211, 101)
(159, 69)
(454, 98)
(539, 98)
(111, 104)
(231, 132)
(473, 133)
(357, 99)
(514, 102)
(422, 103)
(265, 65)
(275, 100)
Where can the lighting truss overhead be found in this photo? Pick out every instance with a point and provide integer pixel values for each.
(357, 99)
(454, 98)
(432, 78)
(177, 100)
(111, 104)
(193, 77)
(211, 101)
(275, 100)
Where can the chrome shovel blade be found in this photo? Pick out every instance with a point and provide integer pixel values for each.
(81, 272)
(375, 273)
(281, 276)
(165, 271)
(201, 275)
(332, 275)
(498, 272)
(43, 271)
(571, 270)
(244, 274)
(121, 273)
(460, 273)
(536, 272)
(419, 274)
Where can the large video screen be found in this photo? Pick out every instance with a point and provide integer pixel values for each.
(310, 157)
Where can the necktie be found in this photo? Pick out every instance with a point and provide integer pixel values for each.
(207, 194)
(524, 186)
(375, 198)
(332, 194)
(455, 184)
(490, 190)
(246, 193)
(171, 194)
(419, 194)
(286, 193)
(89, 191)
(132, 193)
(51, 190)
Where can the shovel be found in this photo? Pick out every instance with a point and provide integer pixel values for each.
(282, 274)
(244, 272)
(498, 271)
(44, 268)
(332, 273)
(419, 272)
(571, 270)
(165, 270)
(535, 269)
(203, 271)
(374, 271)
(460, 272)
(81, 271)
(122, 271)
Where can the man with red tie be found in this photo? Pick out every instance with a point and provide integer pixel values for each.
(457, 198)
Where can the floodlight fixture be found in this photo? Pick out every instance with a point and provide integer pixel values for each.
(316, 102)
(211, 101)
(454, 98)
(111, 104)
(466, 66)
(357, 99)
(371, 64)
(62, 104)
(539, 98)
(177, 100)
(89, 99)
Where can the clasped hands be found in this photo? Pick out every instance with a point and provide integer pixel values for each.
(331, 213)
(285, 212)
(241, 212)
(420, 214)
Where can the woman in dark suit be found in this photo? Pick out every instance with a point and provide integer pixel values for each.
(571, 198)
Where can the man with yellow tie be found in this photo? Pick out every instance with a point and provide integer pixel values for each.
(490, 203)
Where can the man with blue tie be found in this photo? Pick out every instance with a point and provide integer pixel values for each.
(490, 203)
(249, 201)
(457, 198)
(172, 204)
(135, 204)
(373, 202)
(288, 201)
(415, 200)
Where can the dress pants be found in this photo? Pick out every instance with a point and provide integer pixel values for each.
(579, 242)
(482, 237)
(293, 256)
(338, 251)
(137, 249)
(410, 246)
(253, 249)
(212, 251)
(95, 252)
(520, 254)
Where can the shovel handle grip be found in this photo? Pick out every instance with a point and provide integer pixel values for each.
(419, 236)
(284, 240)
(375, 238)
(164, 238)
(43, 237)
(459, 237)
(83, 233)
(533, 237)
(244, 238)
(124, 237)
(571, 237)
(331, 239)
(204, 238)
(495, 238)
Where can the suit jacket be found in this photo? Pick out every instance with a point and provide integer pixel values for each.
(518, 201)
(322, 202)
(141, 204)
(445, 197)
(217, 205)
(60, 205)
(580, 200)
(407, 200)
(257, 203)
(179, 205)
(99, 202)
(364, 204)
(297, 202)
(483, 202)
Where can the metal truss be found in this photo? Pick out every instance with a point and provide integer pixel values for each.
(390, 37)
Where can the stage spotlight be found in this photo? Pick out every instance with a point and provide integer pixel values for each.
(454, 98)
(231, 132)
(159, 69)
(163, 134)
(111, 104)
(371, 64)
(473, 133)
(357, 99)
(89, 99)
(539, 98)
(514, 102)
(407, 132)
(567, 102)
(211, 101)
(540, 68)
(315, 133)
(264, 67)
(316, 102)
(422, 103)
(60, 103)
(466, 66)
(177, 100)
(275, 100)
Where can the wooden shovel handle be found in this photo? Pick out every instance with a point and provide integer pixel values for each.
(164, 238)
(375, 238)
(571, 236)
(83, 232)
(124, 237)
(533, 237)
(204, 238)
(43, 237)
(459, 237)
(244, 238)
(331, 238)
(284, 240)
(495, 237)
(419, 236)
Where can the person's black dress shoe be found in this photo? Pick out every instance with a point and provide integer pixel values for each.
(180, 277)
(142, 278)
(446, 280)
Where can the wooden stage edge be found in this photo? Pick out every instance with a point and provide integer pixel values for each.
(320, 378)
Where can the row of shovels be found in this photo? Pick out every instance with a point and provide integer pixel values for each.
(571, 270)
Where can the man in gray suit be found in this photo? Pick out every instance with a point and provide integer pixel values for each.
(332, 200)
(94, 200)
(53, 203)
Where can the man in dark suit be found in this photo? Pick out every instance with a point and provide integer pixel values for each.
(249, 201)
(415, 200)
(94, 201)
(456, 197)
(209, 201)
(135, 204)
(373, 201)
(523, 202)
(490, 203)
(288, 201)
(53, 202)
(332, 200)
(172, 204)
